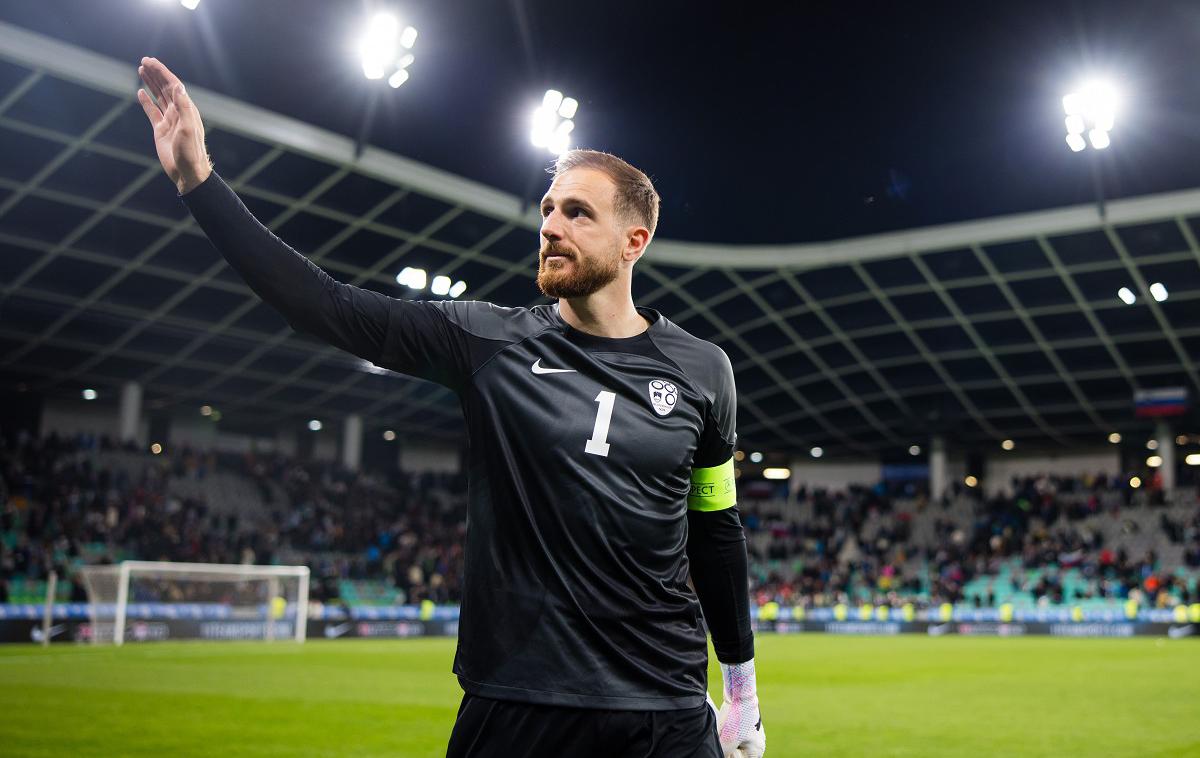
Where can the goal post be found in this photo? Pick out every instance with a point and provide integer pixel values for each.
(269, 596)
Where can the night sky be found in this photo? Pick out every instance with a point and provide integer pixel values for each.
(811, 122)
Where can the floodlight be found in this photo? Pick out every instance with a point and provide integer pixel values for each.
(1154, 461)
(458, 288)
(1092, 108)
(389, 435)
(561, 138)
(156, 449)
(378, 46)
(1135, 482)
(543, 127)
(1126, 296)
(914, 450)
(816, 452)
(412, 277)
(1114, 438)
(440, 285)
(1192, 460)
(206, 410)
(314, 425)
(756, 457)
(398, 78)
(970, 481)
(1151, 444)
(383, 47)
(1181, 440)
(1100, 101)
(557, 145)
(776, 473)
(1159, 291)
(552, 122)
(1008, 444)
(89, 394)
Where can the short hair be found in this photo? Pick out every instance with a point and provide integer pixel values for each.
(636, 197)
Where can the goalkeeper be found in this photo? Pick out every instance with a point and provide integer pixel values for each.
(601, 440)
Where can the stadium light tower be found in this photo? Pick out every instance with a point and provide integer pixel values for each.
(386, 49)
(553, 122)
(1091, 112)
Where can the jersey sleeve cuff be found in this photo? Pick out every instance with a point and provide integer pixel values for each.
(713, 488)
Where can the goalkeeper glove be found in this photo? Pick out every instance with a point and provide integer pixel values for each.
(739, 721)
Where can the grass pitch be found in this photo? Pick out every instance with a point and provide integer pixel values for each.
(821, 696)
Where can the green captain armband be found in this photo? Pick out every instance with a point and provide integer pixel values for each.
(713, 488)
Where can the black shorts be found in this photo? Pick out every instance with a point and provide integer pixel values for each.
(507, 729)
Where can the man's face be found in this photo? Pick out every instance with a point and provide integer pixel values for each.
(582, 237)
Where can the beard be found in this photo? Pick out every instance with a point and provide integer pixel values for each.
(578, 276)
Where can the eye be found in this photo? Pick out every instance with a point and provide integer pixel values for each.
(546, 210)
(577, 212)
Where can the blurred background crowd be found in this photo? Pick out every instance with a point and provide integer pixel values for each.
(373, 539)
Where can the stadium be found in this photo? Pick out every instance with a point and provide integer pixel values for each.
(951, 256)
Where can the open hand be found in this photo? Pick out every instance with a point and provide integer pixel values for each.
(178, 130)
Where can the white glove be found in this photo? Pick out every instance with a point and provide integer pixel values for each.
(739, 721)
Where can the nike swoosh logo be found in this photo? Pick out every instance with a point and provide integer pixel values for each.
(537, 369)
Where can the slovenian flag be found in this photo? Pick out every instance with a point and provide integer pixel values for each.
(1165, 401)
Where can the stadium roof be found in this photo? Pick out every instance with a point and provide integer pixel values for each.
(1003, 328)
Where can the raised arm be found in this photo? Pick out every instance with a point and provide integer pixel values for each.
(414, 337)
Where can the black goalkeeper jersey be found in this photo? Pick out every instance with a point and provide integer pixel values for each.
(581, 453)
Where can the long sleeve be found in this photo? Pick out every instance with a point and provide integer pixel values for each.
(716, 544)
(412, 337)
(716, 551)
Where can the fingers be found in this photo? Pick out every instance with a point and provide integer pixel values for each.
(149, 71)
(164, 82)
(160, 70)
(152, 111)
(149, 80)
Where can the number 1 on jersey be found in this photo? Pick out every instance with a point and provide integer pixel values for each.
(597, 445)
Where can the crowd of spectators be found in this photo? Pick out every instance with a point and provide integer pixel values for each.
(59, 509)
(55, 504)
(859, 546)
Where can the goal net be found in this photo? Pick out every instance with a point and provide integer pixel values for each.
(153, 600)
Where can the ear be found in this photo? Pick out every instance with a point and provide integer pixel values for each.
(637, 238)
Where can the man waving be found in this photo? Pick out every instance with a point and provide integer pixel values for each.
(600, 467)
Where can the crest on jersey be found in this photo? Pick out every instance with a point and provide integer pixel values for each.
(663, 396)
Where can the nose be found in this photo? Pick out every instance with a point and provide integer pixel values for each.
(551, 228)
